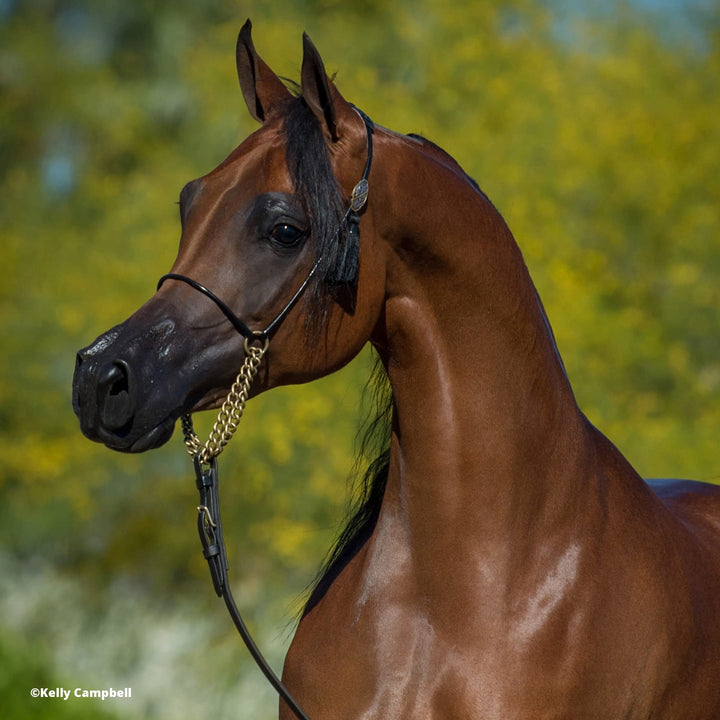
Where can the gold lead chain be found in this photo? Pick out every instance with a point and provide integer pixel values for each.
(230, 412)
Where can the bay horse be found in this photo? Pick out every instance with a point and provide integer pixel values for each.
(508, 562)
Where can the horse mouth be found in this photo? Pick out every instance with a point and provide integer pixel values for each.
(158, 436)
(128, 443)
(114, 406)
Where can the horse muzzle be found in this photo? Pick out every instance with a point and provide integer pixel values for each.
(114, 399)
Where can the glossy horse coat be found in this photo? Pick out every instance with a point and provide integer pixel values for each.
(515, 566)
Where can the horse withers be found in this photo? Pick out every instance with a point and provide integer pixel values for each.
(507, 562)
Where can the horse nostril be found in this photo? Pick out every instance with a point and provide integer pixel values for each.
(114, 398)
(113, 377)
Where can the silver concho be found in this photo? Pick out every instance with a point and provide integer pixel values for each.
(359, 196)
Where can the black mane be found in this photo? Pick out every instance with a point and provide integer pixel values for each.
(369, 489)
(324, 204)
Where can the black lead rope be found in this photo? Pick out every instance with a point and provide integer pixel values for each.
(213, 544)
(206, 475)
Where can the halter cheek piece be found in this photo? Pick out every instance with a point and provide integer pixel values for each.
(205, 456)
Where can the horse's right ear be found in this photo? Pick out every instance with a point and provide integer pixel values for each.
(262, 89)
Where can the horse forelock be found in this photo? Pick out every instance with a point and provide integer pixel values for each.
(320, 196)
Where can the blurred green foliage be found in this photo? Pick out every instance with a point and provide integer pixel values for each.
(595, 134)
(27, 668)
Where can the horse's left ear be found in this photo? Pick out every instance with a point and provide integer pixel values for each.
(262, 89)
(320, 93)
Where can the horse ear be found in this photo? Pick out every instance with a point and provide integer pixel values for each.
(262, 89)
(320, 93)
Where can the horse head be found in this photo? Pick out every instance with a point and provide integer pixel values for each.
(269, 253)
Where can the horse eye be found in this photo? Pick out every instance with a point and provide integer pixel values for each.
(286, 235)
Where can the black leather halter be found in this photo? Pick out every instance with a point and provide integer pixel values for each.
(237, 323)
(209, 522)
(351, 220)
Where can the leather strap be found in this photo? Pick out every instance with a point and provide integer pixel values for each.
(237, 323)
(213, 544)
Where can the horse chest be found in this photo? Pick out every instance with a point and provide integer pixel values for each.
(375, 650)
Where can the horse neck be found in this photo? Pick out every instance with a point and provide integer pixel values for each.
(484, 414)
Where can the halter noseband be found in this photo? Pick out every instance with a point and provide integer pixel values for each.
(351, 219)
(237, 323)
